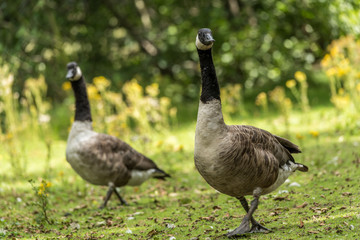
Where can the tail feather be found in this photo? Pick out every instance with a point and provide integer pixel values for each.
(302, 167)
(160, 174)
(291, 147)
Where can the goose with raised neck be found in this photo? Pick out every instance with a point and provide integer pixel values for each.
(82, 105)
(102, 159)
(236, 160)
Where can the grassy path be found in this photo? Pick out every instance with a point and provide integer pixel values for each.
(323, 203)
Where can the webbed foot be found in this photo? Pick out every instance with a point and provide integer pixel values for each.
(258, 228)
(242, 229)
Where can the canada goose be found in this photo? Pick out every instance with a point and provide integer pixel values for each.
(236, 160)
(102, 159)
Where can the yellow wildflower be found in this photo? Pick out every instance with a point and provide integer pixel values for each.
(300, 76)
(343, 68)
(152, 90)
(101, 82)
(277, 95)
(333, 51)
(290, 83)
(93, 93)
(341, 91)
(178, 148)
(326, 60)
(358, 87)
(123, 125)
(165, 101)
(330, 72)
(40, 192)
(173, 111)
(345, 62)
(66, 86)
(341, 72)
(159, 143)
(48, 184)
(299, 136)
(341, 101)
(9, 136)
(288, 103)
(113, 97)
(133, 89)
(315, 134)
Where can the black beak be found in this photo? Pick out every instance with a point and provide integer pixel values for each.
(209, 39)
(70, 74)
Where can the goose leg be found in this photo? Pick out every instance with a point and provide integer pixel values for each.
(256, 226)
(108, 195)
(245, 224)
(123, 202)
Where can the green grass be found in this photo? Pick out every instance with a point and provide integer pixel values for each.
(325, 205)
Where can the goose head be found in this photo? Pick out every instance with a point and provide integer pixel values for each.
(74, 72)
(204, 39)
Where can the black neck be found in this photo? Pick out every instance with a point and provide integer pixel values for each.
(82, 105)
(210, 86)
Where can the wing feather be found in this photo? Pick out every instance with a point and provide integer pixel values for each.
(257, 154)
(112, 158)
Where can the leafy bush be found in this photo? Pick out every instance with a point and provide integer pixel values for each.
(259, 44)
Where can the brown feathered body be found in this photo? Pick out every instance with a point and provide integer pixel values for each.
(238, 159)
(101, 159)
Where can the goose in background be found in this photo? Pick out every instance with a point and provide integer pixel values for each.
(236, 160)
(102, 159)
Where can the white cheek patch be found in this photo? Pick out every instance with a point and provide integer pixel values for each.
(78, 74)
(202, 46)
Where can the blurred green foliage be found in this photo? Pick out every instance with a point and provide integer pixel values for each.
(259, 43)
